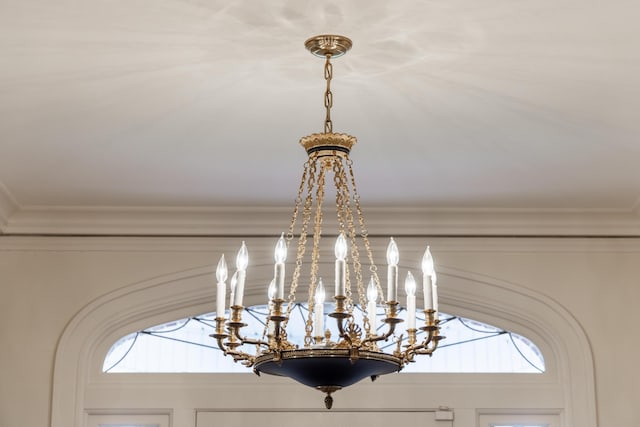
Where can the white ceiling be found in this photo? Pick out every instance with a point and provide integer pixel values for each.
(463, 105)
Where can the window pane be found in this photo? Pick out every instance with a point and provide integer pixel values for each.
(185, 346)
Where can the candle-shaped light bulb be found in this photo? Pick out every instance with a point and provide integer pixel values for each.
(410, 285)
(280, 254)
(372, 297)
(410, 288)
(427, 262)
(242, 259)
(341, 247)
(318, 310)
(372, 291)
(393, 255)
(221, 288)
(428, 271)
(221, 270)
(271, 292)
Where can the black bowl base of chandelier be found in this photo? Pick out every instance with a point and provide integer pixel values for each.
(327, 369)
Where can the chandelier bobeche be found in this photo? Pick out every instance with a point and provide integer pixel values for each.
(324, 362)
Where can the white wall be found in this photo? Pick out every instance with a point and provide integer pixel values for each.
(47, 281)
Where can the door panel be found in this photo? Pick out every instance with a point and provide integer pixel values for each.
(319, 418)
(134, 420)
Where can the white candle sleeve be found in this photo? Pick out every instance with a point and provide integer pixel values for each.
(220, 299)
(318, 322)
(240, 288)
(427, 289)
(435, 297)
(392, 283)
(341, 273)
(279, 276)
(411, 311)
(371, 314)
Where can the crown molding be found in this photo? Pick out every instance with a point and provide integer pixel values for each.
(262, 247)
(269, 221)
(8, 206)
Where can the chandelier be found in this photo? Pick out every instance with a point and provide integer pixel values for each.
(325, 362)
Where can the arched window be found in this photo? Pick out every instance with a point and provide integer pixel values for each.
(185, 346)
(81, 385)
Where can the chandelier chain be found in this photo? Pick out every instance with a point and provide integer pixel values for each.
(342, 200)
(302, 241)
(328, 95)
(315, 258)
(297, 204)
(363, 229)
(339, 185)
(355, 253)
(289, 239)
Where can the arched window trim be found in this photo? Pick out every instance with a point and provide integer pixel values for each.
(88, 336)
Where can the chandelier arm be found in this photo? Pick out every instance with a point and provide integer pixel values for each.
(428, 350)
(375, 338)
(231, 346)
(239, 356)
(432, 328)
(220, 335)
(412, 347)
(220, 341)
(234, 325)
(342, 332)
(245, 340)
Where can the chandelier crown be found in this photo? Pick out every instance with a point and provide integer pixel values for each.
(329, 361)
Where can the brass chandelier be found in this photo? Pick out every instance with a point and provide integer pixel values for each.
(325, 362)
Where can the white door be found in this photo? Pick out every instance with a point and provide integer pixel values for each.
(322, 418)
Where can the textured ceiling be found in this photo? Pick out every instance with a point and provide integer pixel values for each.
(456, 104)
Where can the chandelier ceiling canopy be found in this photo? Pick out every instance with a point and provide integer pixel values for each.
(325, 361)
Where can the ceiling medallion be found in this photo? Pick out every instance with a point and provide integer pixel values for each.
(325, 362)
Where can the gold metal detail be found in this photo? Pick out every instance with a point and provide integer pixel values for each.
(328, 144)
(306, 353)
(328, 44)
(328, 95)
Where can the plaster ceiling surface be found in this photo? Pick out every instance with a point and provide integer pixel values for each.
(200, 103)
